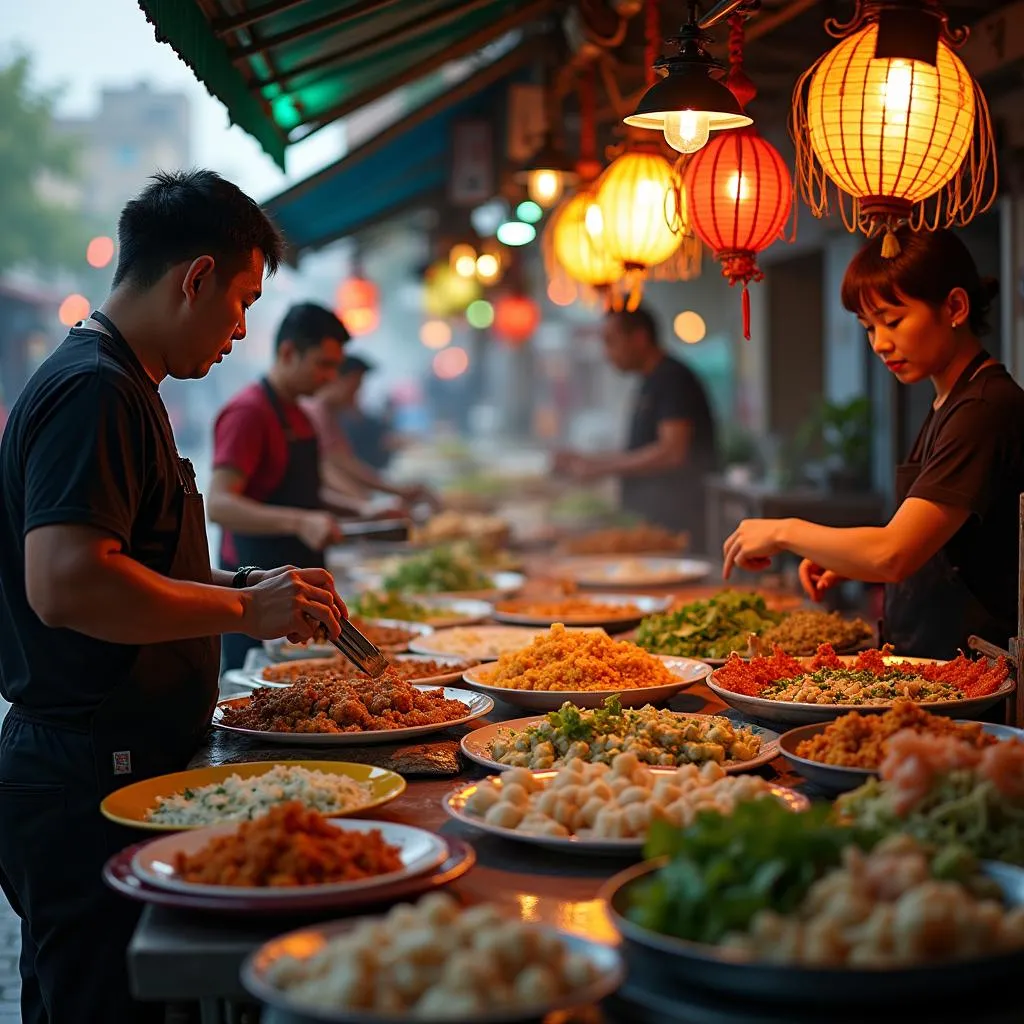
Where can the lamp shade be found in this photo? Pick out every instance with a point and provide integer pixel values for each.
(689, 88)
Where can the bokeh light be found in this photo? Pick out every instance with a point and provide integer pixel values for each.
(435, 334)
(480, 314)
(99, 252)
(488, 268)
(74, 308)
(529, 211)
(690, 327)
(562, 291)
(450, 363)
(515, 232)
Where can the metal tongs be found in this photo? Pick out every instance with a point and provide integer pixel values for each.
(360, 651)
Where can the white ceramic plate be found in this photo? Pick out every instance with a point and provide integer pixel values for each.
(421, 851)
(686, 670)
(478, 704)
(455, 805)
(255, 680)
(645, 605)
(629, 571)
(454, 611)
(476, 745)
(606, 960)
(282, 649)
(480, 643)
(799, 713)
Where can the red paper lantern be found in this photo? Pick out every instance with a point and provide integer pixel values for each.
(358, 305)
(515, 319)
(740, 195)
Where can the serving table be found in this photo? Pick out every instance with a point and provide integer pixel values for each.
(178, 957)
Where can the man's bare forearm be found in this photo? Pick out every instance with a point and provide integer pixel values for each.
(239, 514)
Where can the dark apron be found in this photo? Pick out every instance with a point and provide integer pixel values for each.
(53, 839)
(298, 488)
(932, 613)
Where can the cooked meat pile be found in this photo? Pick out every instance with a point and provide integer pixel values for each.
(354, 705)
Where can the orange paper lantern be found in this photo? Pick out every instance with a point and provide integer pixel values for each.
(740, 195)
(516, 317)
(358, 305)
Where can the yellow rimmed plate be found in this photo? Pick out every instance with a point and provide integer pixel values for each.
(130, 805)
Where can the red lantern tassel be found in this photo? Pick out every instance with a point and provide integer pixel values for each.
(746, 312)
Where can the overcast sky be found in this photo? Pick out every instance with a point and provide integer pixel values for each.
(83, 45)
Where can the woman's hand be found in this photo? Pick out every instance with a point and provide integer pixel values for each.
(752, 546)
(815, 580)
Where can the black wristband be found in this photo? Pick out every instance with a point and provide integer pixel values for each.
(242, 576)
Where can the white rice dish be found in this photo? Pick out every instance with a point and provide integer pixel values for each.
(238, 799)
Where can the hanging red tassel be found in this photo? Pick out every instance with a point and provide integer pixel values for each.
(746, 312)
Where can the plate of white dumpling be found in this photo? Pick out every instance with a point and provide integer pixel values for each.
(433, 960)
(601, 808)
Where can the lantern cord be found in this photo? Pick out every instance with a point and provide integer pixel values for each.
(746, 312)
(739, 82)
(653, 39)
(588, 131)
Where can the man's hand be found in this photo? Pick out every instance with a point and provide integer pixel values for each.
(576, 466)
(292, 602)
(815, 580)
(416, 494)
(318, 530)
(751, 546)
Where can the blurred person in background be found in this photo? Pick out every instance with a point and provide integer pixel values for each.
(343, 467)
(110, 612)
(266, 493)
(671, 444)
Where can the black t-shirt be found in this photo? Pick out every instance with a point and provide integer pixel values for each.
(88, 442)
(972, 454)
(673, 499)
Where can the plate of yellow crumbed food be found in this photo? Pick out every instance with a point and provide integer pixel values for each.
(611, 611)
(584, 667)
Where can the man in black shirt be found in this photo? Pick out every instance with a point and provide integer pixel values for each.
(671, 444)
(110, 613)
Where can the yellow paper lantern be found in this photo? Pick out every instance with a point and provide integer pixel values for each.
(578, 251)
(908, 141)
(633, 197)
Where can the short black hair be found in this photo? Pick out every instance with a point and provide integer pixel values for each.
(180, 215)
(639, 319)
(307, 324)
(353, 364)
(929, 265)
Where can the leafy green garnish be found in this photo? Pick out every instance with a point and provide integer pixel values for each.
(723, 869)
(441, 569)
(712, 629)
(389, 606)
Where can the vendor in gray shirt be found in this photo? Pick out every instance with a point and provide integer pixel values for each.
(671, 445)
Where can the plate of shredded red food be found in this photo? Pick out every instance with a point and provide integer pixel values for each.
(349, 713)
(291, 847)
(781, 688)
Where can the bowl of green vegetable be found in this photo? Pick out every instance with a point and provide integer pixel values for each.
(443, 572)
(768, 880)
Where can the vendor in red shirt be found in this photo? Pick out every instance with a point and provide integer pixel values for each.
(266, 492)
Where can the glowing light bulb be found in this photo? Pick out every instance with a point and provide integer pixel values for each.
(465, 266)
(737, 188)
(897, 90)
(686, 131)
(545, 187)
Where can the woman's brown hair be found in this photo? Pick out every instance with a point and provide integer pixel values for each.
(929, 266)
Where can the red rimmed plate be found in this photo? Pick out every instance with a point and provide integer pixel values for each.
(118, 874)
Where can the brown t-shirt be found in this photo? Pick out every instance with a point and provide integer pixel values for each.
(972, 454)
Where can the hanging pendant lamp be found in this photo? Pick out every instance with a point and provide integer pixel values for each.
(895, 121)
(738, 188)
(688, 102)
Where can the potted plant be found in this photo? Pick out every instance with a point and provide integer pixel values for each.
(841, 431)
